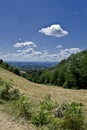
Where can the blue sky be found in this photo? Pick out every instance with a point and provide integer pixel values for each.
(42, 30)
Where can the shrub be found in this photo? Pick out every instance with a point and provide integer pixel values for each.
(47, 103)
(8, 92)
(16, 71)
(43, 112)
(21, 107)
(73, 117)
(40, 117)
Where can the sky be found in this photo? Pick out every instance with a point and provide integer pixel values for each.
(42, 30)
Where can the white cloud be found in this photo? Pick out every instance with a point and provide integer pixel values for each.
(36, 53)
(60, 55)
(29, 51)
(65, 53)
(25, 51)
(54, 30)
(58, 46)
(32, 54)
(27, 43)
(71, 50)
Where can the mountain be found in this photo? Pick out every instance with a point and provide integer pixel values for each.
(24, 66)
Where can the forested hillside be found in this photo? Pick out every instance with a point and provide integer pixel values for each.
(69, 73)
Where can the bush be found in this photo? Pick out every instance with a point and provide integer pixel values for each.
(73, 117)
(21, 107)
(16, 71)
(8, 92)
(43, 112)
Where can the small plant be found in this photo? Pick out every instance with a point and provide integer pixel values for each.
(47, 103)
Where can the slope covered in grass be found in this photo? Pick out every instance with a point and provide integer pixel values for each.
(38, 92)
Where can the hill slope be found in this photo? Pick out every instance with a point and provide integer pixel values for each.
(38, 91)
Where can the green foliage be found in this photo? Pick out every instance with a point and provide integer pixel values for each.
(43, 112)
(21, 107)
(47, 103)
(9, 67)
(54, 124)
(73, 117)
(1, 82)
(8, 92)
(16, 71)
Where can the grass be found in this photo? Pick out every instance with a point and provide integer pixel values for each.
(39, 91)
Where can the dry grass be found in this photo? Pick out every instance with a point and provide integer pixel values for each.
(38, 91)
(7, 123)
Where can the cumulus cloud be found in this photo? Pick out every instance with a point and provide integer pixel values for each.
(27, 43)
(54, 30)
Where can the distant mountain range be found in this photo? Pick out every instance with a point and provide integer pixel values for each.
(32, 65)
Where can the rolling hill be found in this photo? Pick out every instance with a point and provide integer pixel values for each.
(38, 91)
